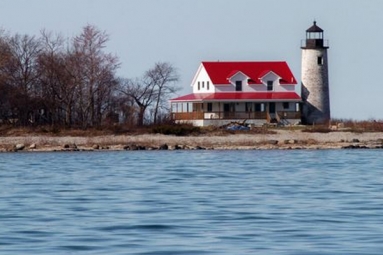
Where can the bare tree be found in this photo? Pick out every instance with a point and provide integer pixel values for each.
(152, 90)
(20, 74)
(22, 68)
(73, 82)
(4, 86)
(51, 63)
(142, 92)
(164, 78)
(95, 71)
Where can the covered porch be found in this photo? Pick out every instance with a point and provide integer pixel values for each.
(220, 113)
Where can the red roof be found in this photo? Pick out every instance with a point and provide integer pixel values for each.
(219, 72)
(239, 96)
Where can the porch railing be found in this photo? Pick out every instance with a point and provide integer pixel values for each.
(188, 115)
(232, 115)
(289, 115)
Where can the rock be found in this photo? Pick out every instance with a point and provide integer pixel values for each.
(272, 142)
(177, 147)
(96, 147)
(131, 147)
(351, 147)
(11, 149)
(291, 141)
(355, 140)
(32, 146)
(19, 147)
(70, 146)
(164, 147)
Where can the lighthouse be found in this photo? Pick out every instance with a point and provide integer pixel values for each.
(315, 82)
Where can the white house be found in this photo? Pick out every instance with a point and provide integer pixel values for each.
(224, 92)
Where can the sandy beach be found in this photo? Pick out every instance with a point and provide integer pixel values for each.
(283, 139)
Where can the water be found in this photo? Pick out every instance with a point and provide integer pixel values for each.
(192, 202)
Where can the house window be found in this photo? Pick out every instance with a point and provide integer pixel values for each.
(286, 105)
(203, 84)
(238, 86)
(258, 107)
(199, 85)
(208, 85)
(209, 107)
(270, 85)
(320, 61)
(249, 107)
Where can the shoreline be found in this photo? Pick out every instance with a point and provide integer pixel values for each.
(283, 139)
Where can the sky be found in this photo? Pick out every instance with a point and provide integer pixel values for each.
(187, 32)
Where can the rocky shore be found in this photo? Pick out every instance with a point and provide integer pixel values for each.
(283, 139)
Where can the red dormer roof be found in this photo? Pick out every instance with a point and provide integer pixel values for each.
(220, 72)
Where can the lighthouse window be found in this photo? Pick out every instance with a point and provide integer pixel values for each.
(320, 61)
(270, 85)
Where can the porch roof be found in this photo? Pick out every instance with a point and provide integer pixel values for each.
(239, 96)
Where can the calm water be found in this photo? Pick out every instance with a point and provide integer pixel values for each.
(192, 202)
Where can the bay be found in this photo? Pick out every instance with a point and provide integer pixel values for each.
(192, 202)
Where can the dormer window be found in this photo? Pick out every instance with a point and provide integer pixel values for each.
(270, 79)
(238, 79)
(270, 85)
(238, 86)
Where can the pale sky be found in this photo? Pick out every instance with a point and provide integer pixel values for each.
(186, 32)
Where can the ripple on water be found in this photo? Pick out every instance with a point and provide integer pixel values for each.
(192, 202)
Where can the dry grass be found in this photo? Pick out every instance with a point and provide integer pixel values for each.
(359, 126)
(341, 124)
(7, 130)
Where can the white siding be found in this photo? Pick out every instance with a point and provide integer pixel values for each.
(202, 78)
(205, 84)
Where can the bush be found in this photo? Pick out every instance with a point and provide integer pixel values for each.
(176, 129)
(317, 129)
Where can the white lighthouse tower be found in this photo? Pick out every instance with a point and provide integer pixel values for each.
(315, 82)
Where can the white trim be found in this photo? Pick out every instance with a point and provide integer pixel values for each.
(197, 74)
(229, 78)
